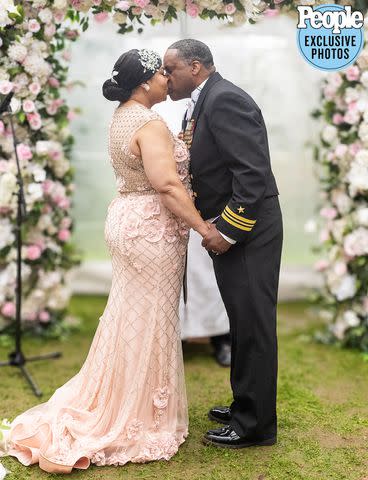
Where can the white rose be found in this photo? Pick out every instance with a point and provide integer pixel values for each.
(61, 167)
(362, 216)
(39, 174)
(329, 133)
(45, 15)
(48, 280)
(119, 18)
(357, 176)
(342, 201)
(34, 191)
(356, 243)
(8, 182)
(344, 287)
(60, 4)
(364, 79)
(59, 298)
(44, 222)
(351, 319)
(363, 132)
(351, 94)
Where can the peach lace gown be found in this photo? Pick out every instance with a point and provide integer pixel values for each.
(128, 402)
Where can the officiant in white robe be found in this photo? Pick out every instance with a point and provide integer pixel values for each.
(204, 315)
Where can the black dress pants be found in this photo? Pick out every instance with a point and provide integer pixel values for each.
(248, 277)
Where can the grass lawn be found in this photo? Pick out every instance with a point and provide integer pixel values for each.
(322, 408)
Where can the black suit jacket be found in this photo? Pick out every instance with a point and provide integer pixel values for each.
(230, 161)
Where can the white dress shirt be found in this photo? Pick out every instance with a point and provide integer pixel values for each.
(191, 105)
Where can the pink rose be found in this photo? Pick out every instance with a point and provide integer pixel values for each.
(54, 82)
(141, 3)
(321, 265)
(6, 87)
(153, 230)
(28, 106)
(352, 73)
(33, 26)
(271, 12)
(354, 148)
(71, 115)
(64, 235)
(50, 30)
(8, 309)
(230, 9)
(67, 55)
(365, 304)
(123, 5)
(71, 34)
(101, 17)
(329, 92)
(341, 150)
(337, 119)
(24, 152)
(329, 213)
(63, 203)
(324, 235)
(35, 88)
(340, 268)
(33, 252)
(59, 16)
(161, 397)
(192, 10)
(352, 117)
(47, 186)
(34, 120)
(65, 222)
(44, 316)
(137, 11)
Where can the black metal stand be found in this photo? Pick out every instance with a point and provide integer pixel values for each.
(17, 358)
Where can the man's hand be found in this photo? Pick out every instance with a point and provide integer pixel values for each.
(214, 241)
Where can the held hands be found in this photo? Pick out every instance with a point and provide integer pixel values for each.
(214, 242)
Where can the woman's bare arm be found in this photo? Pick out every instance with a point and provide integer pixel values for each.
(156, 150)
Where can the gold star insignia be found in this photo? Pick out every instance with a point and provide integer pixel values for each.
(241, 210)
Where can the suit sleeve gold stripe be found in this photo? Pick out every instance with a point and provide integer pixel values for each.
(236, 221)
(228, 220)
(238, 217)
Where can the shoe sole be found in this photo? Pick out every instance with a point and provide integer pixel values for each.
(265, 443)
(214, 419)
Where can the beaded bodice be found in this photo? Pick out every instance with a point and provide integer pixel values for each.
(128, 168)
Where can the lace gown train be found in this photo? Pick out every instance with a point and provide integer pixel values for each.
(128, 401)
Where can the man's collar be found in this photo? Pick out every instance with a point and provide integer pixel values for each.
(195, 94)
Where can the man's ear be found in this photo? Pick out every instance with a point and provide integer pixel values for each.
(196, 67)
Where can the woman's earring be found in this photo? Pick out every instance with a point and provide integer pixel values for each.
(146, 86)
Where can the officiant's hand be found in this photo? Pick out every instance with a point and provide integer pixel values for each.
(213, 241)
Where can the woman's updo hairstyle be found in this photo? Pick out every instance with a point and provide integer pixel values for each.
(130, 70)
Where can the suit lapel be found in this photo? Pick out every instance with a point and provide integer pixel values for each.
(214, 78)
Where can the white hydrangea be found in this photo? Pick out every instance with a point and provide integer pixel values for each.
(34, 192)
(356, 243)
(36, 66)
(361, 216)
(8, 183)
(60, 4)
(17, 52)
(7, 236)
(5, 7)
(342, 287)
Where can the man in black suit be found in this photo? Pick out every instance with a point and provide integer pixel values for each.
(234, 188)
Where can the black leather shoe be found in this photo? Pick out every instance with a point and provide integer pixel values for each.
(220, 415)
(226, 437)
(223, 354)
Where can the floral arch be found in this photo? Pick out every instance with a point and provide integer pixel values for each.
(34, 38)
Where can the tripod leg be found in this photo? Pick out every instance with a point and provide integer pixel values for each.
(29, 379)
(43, 357)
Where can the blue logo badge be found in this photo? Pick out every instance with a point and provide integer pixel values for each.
(330, 37)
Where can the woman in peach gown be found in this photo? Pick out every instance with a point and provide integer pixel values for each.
(128, 401)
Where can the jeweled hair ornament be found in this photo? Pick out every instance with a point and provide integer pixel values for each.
(149, 59)
(114, 72)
